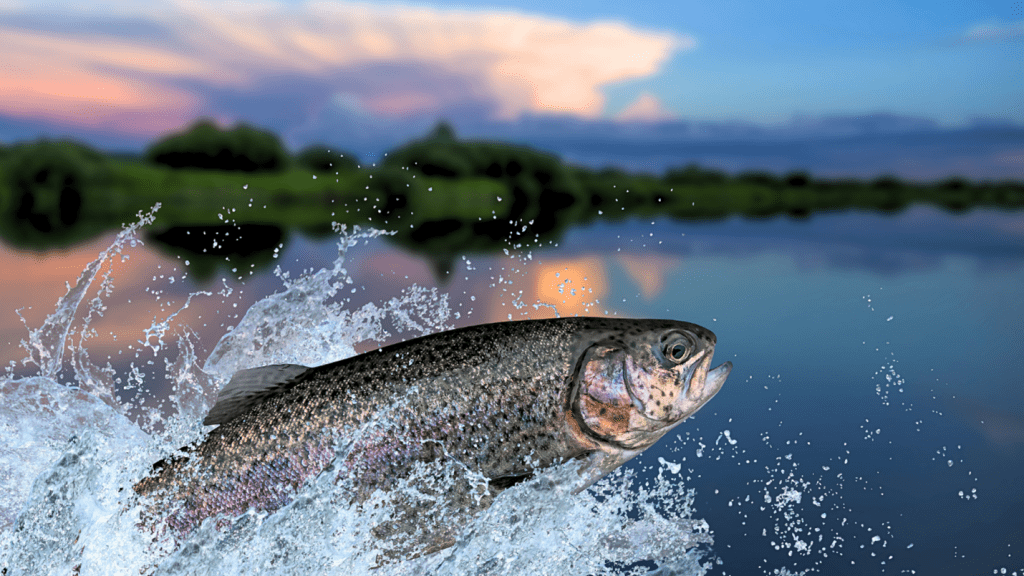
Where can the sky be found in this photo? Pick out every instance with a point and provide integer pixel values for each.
(120, 74)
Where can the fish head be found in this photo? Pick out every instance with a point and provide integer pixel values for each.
(633, 387)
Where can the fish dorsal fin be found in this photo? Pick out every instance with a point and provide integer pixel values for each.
(248, 388)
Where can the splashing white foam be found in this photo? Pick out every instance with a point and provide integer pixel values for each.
(70, 454)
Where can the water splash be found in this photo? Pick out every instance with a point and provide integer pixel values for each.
(71, 448)
(307, 324)
(45, 345)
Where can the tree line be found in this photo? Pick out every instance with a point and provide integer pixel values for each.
(50, 187)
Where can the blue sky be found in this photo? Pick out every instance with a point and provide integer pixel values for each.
(771, 60)
(123, 72)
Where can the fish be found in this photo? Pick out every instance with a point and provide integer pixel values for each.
(503, 400)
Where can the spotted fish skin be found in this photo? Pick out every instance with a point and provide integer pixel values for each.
(502, 399)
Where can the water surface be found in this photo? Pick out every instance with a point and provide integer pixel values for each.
(873, 423)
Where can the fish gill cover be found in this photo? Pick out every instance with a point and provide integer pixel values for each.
(75, 436)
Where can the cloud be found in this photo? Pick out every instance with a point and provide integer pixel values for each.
(646, 108)
(150, 69)
(87, 82)
(995, 32)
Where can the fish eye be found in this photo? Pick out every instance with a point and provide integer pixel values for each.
(677, 350)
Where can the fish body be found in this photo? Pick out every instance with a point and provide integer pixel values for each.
(502, 399)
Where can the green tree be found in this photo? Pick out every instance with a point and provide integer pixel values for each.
(797, 179)
(321, 158)
(887, 183)
(443, 132)
(760, 178)
(693, 174)
(540, 187)
(204, 145)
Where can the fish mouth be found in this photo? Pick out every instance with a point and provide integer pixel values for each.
(715, 379)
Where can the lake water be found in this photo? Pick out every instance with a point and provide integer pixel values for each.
(873, 421)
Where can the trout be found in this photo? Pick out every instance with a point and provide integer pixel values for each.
(503, 400)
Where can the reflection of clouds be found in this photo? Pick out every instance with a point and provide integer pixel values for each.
(917, 239)
(571, 286)
(649, 271)
(852, 257)
(130, 309)
(482, 288)
(393, 267)
(485, 288)
(1013, 228)
(35, 288)
(879, 258)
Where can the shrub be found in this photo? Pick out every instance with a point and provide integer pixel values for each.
(955, 183)
(204, 145)
(320, 158)
(797, 179)
(693, 175)
(887, 183)
(760, 178)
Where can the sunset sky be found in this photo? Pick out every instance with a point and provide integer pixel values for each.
(119, 74)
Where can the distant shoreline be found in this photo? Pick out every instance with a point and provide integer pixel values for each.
(442, 195)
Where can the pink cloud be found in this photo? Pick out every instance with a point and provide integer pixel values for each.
(646, 108)
(89, 82)
(514, 63)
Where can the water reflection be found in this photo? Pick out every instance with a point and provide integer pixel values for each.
(1002, 427)
(532, 281)
(567, 287)
(649, 271)
(147, 284)
(870, 351)
(215, 249)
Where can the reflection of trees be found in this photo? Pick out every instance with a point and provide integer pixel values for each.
(213, 250)
(500, 196)
(42, 191)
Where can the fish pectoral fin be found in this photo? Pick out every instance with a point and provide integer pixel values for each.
(598, 464)
(248, 388)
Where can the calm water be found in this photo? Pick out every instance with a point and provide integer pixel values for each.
(874, 420)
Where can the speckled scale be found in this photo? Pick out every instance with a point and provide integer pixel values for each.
(494, 397)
